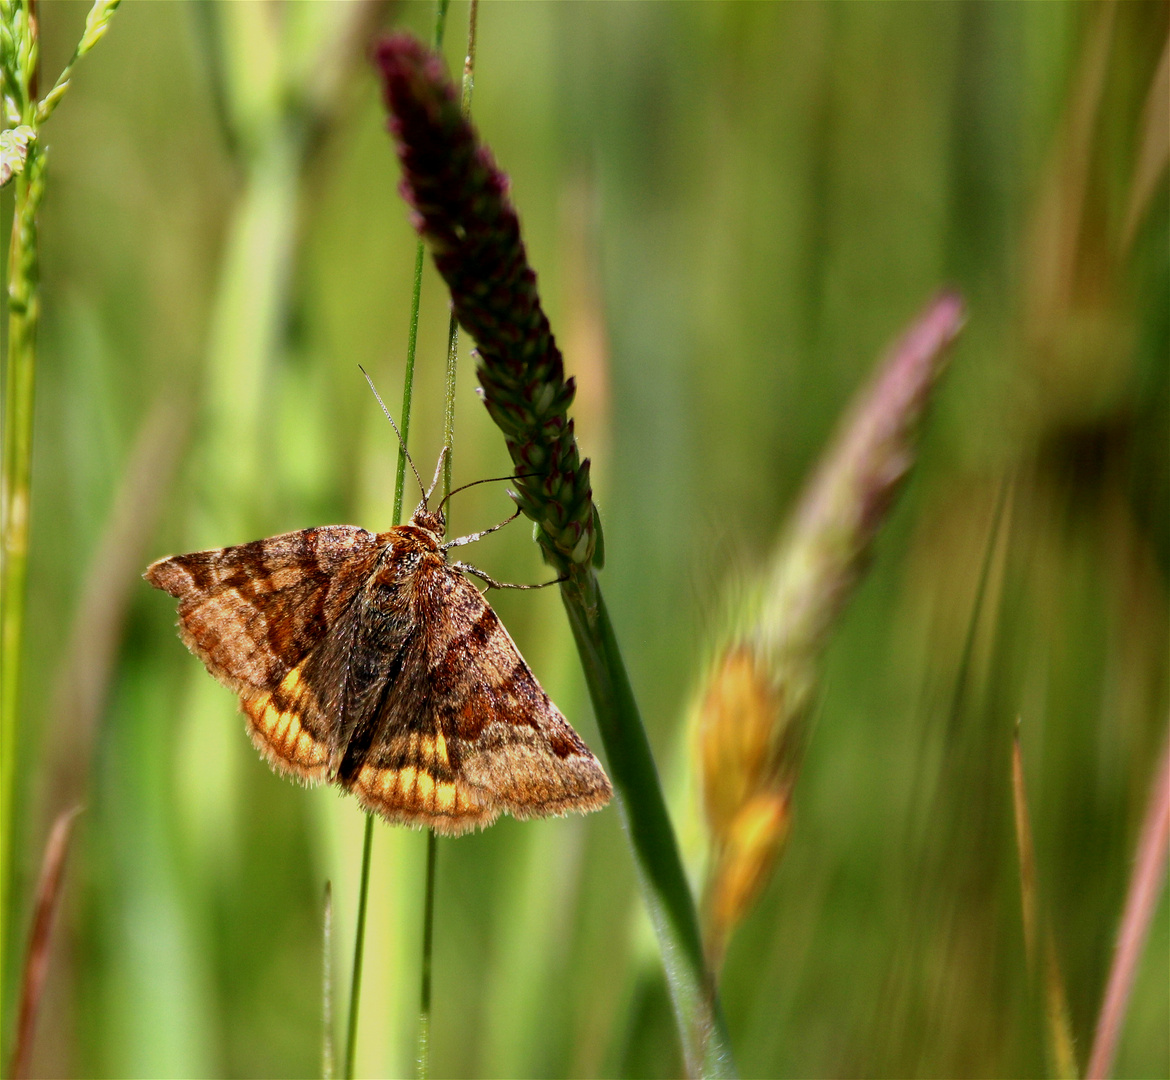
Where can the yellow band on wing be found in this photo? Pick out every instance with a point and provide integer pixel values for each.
(279, 734)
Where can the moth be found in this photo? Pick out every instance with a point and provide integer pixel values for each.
(368, 660)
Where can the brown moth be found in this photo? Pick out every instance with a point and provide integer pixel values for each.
(369, 661)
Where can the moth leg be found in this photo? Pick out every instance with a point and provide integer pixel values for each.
(493, 584)
(471, 538)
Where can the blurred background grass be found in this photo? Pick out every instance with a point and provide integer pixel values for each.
(732, 209)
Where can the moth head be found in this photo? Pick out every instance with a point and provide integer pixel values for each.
(432, 520)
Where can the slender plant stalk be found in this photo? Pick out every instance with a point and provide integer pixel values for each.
(271, 108)
(327, 985)
(453, 328)
(994, 537)
(412, 333)
(424, 1007)
(1059, 1041)
(399, 487)
(20, 371)
(408, 383)
(706, 1046)
(424, 1013)
(449, 405)
(270, 113)
(23, 316)
(36, 962)
(24, 162)
(355, 990)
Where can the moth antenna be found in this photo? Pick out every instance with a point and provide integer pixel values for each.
(435, 480)
(488, 480)
(401, 440)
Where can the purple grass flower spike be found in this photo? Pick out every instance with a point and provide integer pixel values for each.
(459, 202)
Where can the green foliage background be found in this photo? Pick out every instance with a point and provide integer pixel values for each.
(732, 209)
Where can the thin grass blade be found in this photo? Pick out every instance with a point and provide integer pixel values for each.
(1059, 1042)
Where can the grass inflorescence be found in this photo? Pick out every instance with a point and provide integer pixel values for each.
(461, 208)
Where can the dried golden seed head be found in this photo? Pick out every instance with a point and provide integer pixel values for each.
(736, 722)
(751, 845)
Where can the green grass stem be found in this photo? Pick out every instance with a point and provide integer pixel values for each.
(424, 1007)
(428, 937)
(408, 383)
(453, 327)
(706, 1046)
(966, 657)
(19, 384)
(449, 405)
(359, 944)
(265, 83)
(20, 378)
(21, 108)
(399, 487)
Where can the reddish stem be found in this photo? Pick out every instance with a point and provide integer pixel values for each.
(1145, 886)
(36, 962)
